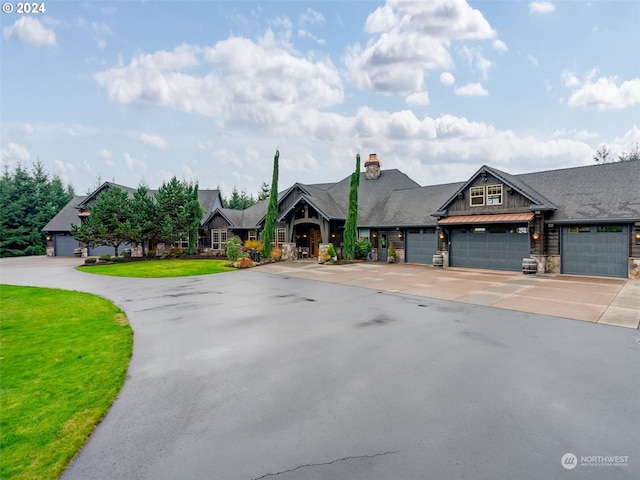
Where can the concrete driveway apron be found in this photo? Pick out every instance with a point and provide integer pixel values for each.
(251, 375)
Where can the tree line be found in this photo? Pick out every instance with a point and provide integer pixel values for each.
(29, 198)
(172, 214)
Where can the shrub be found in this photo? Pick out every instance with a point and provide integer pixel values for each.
(276, 253)
(175, 252)
(152, 253)
(117, 259)
(90, 260)
(391, 252)
(256, 245)
(105, 257)
(234, 248)
(363, 247)
(245, 262)
(331, 251)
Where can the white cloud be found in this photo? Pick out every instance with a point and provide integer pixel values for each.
(570, 79)
(471, 90)
(499, 45)
(31, 31)
(311, 17)
(447, 78)
(475, 59)
(418, 98)
(533, 60)
(605, 93)
(14, 152)
(256, 82)
(541, 7)
(576, 134)
(154, 140)
(304, 34)
(133, 163)
(106, 155)
(410, 38)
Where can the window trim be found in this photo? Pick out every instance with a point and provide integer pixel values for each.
(479, 194)
(494, 195)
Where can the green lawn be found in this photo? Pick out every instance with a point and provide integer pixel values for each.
(63, 360)
(159, 268)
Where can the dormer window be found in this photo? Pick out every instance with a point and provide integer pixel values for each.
(494, 195)
(476, 196)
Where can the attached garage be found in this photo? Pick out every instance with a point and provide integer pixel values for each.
(421, 245)
(64, 245)
(495, 247)
(601, 250)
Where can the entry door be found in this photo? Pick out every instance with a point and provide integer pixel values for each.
(316, 238)
(383, 247)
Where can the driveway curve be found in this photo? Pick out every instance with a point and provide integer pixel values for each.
(249, 375)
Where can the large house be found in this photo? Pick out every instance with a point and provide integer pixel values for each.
(582, 220)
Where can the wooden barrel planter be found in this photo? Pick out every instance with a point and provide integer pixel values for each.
(437, 260)
(529, 266)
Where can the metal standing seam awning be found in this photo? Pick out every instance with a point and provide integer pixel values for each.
(496, 218)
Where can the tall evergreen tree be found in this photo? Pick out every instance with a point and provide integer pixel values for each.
(28, 200)
(172, 203)
(351, 225)
(272, 210)
(144, 217)
(263, 194)
(195, 214)
(109, 221)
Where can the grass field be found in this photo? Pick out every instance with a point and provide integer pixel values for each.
(160, 268)
(63, 360)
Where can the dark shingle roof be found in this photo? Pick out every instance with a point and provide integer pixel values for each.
(596, 192)
(412, 207)
(66, 217)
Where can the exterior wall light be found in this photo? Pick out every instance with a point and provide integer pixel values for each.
(536, 236)
(638, 237)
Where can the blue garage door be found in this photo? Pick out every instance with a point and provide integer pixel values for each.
(490, 247)
(64, 245)
(421, 245)
(596, 250)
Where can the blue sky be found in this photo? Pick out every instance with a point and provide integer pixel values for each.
(206, 91)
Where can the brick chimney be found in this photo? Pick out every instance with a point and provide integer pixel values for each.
(372, 167)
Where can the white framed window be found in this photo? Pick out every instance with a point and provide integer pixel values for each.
(219, 239)
(279, 236)
(494, 194)
(253, 235)
(363, 233)
(476, 196)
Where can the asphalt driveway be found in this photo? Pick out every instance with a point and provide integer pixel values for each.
(252, 375)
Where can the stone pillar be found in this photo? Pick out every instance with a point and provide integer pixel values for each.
(289, 252)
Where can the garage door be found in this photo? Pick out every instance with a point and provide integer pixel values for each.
(421, 245)
(494, 248)
(64, 245)
(596, 250)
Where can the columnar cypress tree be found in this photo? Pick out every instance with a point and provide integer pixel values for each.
(195, 214)
(350, 226)
(272, 210)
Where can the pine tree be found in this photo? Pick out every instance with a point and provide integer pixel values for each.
(272, 211)
(263, 194)
(351, 225)
(109, 221)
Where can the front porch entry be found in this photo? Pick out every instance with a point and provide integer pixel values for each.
(308, 239)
